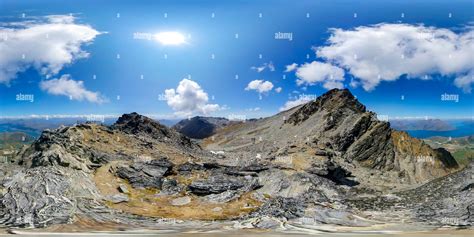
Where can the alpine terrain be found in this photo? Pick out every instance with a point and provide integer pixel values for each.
(326, 163)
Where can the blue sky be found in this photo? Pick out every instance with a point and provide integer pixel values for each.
(210, 29)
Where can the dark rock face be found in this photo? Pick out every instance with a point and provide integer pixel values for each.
(171, 187)
(218, 183)
(196, 128)
(446, 158)
(188, 167)
(372, 145)
(215, 184)
(333, 172)
(146, 174)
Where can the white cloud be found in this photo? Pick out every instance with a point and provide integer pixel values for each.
(278, 89)
(60, 19)
(291, 67)
(264, 66)
(189, 98)
(465, 82)
(260, 86)
(293, 103)
(384, 52)
(75, 90)
(317, 72)
(46, 44)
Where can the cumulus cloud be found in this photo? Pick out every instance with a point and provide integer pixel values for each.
(264, 66)
(278, 89)
(189, 98)
(385, 52)
(291, 67)
(293, 103)
(75, 90)
(260, 86)
(317, 72)
(46, 44)
(465, 82)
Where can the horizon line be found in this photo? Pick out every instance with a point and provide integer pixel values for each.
(174, 117)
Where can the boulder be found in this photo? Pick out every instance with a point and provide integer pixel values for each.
(215, 184)
(181, 201)
(145, 174)
(223, 197)
(117, 198)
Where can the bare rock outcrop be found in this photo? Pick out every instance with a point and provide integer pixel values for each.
(338, 127)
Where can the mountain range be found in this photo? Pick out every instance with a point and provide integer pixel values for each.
(421, 124)
(329, 161)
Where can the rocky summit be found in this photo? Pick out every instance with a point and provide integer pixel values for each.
(327, 162)
(336, 128)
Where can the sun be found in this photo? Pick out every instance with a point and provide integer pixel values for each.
(170, 38)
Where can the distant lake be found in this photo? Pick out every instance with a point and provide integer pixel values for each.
(19, 128)
(463, 128)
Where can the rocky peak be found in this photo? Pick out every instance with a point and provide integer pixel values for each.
(136, 123)
(335, 100)
(140, 125)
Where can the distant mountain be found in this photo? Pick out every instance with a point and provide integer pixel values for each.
(169, 122)
(421, 124)
(34, 126)
(201, 127)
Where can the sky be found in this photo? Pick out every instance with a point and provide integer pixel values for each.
(243, 59)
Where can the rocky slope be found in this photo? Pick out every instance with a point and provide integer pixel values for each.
(322, 163)
(337, 128)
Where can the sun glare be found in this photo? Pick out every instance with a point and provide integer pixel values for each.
(170, 38)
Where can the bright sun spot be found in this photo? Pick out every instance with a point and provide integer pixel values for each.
(170, 38)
